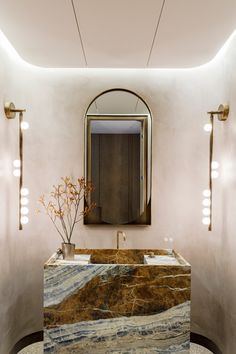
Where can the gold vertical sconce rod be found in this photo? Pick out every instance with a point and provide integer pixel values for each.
(210, 164)
(10, 112)
(222, 113)
(21, 165)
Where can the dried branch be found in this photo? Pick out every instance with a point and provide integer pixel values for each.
(63, 207)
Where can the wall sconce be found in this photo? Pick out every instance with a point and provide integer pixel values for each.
(222, 114)
(10, 112)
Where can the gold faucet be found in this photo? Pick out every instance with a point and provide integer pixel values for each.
(118, 238)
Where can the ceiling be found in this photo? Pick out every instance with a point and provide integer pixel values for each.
(117, 33)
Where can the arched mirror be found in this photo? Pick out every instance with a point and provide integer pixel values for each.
(118, 158)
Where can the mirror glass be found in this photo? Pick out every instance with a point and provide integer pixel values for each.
(118, 159)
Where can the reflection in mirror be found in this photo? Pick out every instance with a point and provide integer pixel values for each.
(118, 159)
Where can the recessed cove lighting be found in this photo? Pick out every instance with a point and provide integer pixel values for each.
(13, 54)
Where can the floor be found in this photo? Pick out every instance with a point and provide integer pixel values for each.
(37, 348)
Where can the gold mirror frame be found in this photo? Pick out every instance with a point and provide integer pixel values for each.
(146, 166)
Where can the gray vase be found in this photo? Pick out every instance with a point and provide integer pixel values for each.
(68, 250)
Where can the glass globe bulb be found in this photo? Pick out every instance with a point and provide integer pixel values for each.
(206, 202)
(24, 220)
(206, 193)
(16, 173)
(214, 174)
(24, 125)
(207, 127)
(24, 210)
(16, 163)
(206, 221)
(24, 201)
(24, 191)
(206, 211)
(215, 165)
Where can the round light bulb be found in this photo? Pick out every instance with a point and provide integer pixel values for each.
(24, 192)
(24, 201)
(214, 174)
(215, 165)
(206, 202)
(16, 173)
(16, 163)
(24, 210)
(206, 221)
(24, 220)
(206, 193)
(206, 211)
(24, 125)
(207, 127)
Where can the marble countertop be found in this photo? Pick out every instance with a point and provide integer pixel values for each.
(143, 257)
(78, 259)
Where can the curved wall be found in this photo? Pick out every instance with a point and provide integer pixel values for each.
(56, 101)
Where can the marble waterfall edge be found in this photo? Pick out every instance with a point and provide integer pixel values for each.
(117, 308)
(167, 332)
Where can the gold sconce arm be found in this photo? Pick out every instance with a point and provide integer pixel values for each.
(10, 110)
(222, 113)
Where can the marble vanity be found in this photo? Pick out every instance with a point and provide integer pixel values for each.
(117, 301)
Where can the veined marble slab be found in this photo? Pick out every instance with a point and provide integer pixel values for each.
(167, 332)
(117, 308)
(62, 280)
(78, 259)
(160, 260)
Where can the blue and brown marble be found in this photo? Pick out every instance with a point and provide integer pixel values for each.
(118, 304)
